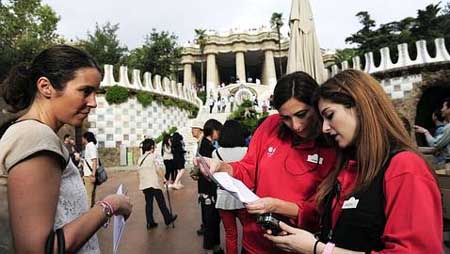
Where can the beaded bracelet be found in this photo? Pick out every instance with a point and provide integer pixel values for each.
(328, 248)
(107, 209)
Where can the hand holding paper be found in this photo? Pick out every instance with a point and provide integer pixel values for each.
(235, 187)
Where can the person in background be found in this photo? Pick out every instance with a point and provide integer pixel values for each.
(441, 143)
(382, 197)
(90, 164)
(166, 151)
(197, 133)
(178, 159)
(70, 146)
(151, 177)
(231, 100)
(232, 148)
(211, 102)
(40, 188)
(207, 191)
(286, 161)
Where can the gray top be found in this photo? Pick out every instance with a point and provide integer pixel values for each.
(441, 142)
(229, 154)
(22, 140)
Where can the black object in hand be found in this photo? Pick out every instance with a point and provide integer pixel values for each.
(268, 222)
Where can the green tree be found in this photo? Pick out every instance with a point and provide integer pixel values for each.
(364, 37)
(104, 45)
(27, 27)
(276, 21)
(200, 39)
(158, 54)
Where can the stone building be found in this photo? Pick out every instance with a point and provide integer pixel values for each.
(250, 57)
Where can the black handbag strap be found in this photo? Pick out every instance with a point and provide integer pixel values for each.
(142, 162)
(61, 242)
(218, 155)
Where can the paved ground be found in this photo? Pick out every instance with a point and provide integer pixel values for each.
(136, 238)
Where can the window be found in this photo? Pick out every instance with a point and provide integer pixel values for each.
(109, 137)
(126, 137)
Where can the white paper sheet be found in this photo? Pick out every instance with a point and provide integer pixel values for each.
(119, 225)
(235, 187)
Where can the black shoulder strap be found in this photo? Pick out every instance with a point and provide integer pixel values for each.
(140, 164)
(218, 155)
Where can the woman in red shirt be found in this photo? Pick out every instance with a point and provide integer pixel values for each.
(382, 197)
(285, 162)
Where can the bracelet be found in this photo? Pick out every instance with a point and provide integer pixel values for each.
(107, 209)
(328, 248)
(315, 247)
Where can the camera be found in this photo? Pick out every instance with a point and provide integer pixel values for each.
(269, 221)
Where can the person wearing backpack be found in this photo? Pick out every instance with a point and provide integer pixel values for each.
(151, 175)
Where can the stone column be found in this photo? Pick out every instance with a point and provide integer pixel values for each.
(211, 73)
(187, 77)
(240, 67)
(269, 68)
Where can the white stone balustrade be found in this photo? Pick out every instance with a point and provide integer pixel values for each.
(404, 59)
(155, 84)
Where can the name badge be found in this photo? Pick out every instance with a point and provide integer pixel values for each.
(350, 203)
(314, 158)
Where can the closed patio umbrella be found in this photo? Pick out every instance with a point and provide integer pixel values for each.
(304, 50)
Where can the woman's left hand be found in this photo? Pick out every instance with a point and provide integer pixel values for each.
(293, 239)
(262, 205)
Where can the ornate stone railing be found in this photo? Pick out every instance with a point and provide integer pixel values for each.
(156, 84)
(404, 58)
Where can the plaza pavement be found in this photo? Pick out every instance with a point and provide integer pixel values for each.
(136, 238)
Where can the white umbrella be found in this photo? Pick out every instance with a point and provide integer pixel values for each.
(304, 50)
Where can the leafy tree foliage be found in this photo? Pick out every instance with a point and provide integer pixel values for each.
(276, 21)
(104, 45)
(200, 39)
(26, 28)
(159, 54)
(431, 23)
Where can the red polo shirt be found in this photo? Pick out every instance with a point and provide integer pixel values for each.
(284, 172)
(413, 206)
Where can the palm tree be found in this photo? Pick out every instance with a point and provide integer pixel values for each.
(276, 21)
(200, 39)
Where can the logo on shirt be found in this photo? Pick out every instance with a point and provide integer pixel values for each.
(271, 150)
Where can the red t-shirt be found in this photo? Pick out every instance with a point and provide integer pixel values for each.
(413, 205)
(284, 172)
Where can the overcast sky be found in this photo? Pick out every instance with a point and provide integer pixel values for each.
(335, 19)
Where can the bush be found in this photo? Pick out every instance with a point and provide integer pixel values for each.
(202, 96)
(116, 95)
(169, 132)
(145, 98)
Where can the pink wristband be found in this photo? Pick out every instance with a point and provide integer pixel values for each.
(328, 248)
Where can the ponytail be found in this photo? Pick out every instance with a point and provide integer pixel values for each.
(16, 89)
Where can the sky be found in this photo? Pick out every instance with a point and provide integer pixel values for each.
(334, 19)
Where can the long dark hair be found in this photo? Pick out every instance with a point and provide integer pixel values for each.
(232, 134)
(300, 86)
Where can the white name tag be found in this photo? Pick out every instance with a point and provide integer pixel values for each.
(314, 158)
(350, 203)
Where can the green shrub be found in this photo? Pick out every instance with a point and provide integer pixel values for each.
(169, 132)
(116, 95)
(145, 98)
(202, 96)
